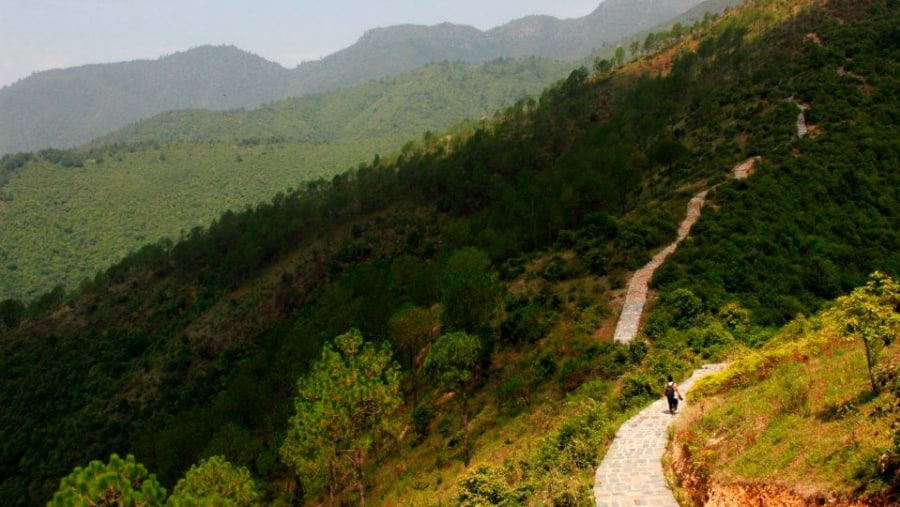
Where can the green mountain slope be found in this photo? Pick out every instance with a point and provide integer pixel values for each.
(63, 224)
(69, 107)
(432, 97)
(188, 350)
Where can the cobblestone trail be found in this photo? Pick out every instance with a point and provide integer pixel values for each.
(802, 129)
(636, 297)
(631, 474)
(630, 318)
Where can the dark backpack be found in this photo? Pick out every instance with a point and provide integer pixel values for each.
(670, 390)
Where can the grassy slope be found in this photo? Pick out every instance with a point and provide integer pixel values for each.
(798, 413)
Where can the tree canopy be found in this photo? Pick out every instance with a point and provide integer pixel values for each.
(453, 358)
(348, 396)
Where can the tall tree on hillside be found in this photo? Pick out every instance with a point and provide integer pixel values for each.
(453, 357)
(412, 328)
(11, 313)
(347, 397)
(635, 47)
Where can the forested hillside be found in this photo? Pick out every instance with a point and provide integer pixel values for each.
(569, 40)
(490, 264)
(433, 97)
(68, 215)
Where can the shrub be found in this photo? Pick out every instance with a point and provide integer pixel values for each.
(512, 394)
(485, 485)
(637, 388)
(545, 367)
(573, 373)
(554, 270)
(711, 341)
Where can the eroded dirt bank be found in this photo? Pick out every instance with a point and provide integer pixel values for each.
(695, 486)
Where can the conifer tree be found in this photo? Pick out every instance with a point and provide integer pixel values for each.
(217, 482)
(453, 357)
(121, 482)
(341, 405)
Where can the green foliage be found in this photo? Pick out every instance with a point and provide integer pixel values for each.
(189, 347)
(11, 313)
(815, 219)
(711, 341)
(526, 321)
(684, 306)
(870, 313)
(804, 410)
(512, 394)
(215, 481)
(411, 328)
(470, 293)
(421, 419)
(69, 215)
(577, 443)
(452, 359)
(117, 483)
(485, 485)
(347, 398)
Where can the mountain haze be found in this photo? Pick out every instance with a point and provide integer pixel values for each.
(65, 108)
(404, 47)
(69, 107)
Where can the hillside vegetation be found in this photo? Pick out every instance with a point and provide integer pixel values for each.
(435, 96)
(509, 244)
(68, 215)
(814, 410)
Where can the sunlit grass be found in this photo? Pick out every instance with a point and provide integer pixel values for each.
(800, 413)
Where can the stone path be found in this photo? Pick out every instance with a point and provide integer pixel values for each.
(630, 318)
(631, 474)
(802, 129)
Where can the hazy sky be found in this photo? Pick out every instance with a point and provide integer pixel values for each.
(47, 34)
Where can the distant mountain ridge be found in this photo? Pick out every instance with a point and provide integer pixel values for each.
(65, 108)
(70, 107)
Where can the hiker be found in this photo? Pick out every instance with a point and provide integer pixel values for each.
(672, 395)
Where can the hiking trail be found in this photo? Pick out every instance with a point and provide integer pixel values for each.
(636, 295)
(631, 472)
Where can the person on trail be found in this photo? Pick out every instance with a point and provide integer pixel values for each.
(672, 395)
